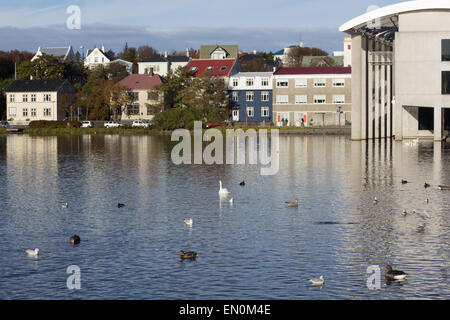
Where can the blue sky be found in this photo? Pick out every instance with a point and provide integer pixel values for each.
(177, 24)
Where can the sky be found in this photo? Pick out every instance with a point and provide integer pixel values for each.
(263, 25)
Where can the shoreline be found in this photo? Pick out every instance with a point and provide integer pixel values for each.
(143, 131)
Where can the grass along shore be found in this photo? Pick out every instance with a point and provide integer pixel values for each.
(146, 131)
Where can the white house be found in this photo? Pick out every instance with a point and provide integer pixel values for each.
(162, 64)
(64, 53)
(97, 57)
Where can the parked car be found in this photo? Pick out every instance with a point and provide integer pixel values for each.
(112, 124)
(212, 125)
(140, 124)
(87, 124)
(4, 124)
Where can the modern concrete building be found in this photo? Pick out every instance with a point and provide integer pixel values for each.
(251, 97)
(29, 100)
(401, 71)
(305, 96)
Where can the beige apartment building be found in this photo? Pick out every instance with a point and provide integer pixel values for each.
(312, 96)
(141, 88)
(401, 71)
(29, 100)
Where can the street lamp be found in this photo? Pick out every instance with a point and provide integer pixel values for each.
(339, 112)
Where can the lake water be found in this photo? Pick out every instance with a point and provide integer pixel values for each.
(257, 248)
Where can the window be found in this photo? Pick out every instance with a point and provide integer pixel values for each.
(193, 69)
(134, 96)
(12, 111)
(235, 82)
(339, 99)
(301, 83)
(24, 98)
(445, 50)
(264, 96)
(47, 97)
(426, 118)
(33, 98)
(96, 59)
(11, 98)
(250, 112)
(320, 99)
(338, 83)
(265, 82)
(25, 112)
(320, 83)
(223, 68)
(47, 112)
(445, 82)
(209, 67)
(282, 83)
(282, 99)
(133, 109)
(235, 96)
(301, 99)
(249, 82)
(264, 111)
(249, 96)
(152, 95)
(33, 112)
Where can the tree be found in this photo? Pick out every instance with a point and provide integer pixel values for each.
(129, 54)
(4, 84)
(111, 54)
(171, 90)
(67, 104)
(295, 55)
(146, 52)
(45, 67)
(116, 72)
(119, 98)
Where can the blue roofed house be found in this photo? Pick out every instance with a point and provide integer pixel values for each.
(251, 97)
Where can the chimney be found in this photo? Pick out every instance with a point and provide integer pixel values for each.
(165, 54)
(187, 52)
(103, 48)
(254, 51)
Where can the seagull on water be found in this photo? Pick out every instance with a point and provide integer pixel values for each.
(189, 222)
(317, 281)
(32, 253)
(64, 205)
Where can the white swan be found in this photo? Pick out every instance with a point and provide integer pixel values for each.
(188, 222)
(231, 200)
(317, 282)
(223, 191)
(64, 205)
(32, 253)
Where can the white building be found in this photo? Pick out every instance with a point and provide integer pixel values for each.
(162, 64)
(97, 57)
(64, 53)
(29, 100)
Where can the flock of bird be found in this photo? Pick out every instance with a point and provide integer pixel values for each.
(390, 274)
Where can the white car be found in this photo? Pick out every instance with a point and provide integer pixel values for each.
(87, 124)
(140, 123)
(112, 124)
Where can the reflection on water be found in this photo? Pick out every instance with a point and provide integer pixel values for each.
(254, 248)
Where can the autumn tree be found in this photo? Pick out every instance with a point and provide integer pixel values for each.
(119, 98)
(295, 55)
(116, 72)
(146, 52)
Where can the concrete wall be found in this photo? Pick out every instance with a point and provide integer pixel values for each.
(418, 68)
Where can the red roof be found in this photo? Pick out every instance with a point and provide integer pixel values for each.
(217, 68)
(140, 81)
(313, 70)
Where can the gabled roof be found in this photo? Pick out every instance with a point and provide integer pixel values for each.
(49, 85)
(217, 68)
(56, 51)
(205, 51)
(102, 52)
(168, 59)
(313, 70)
(309, 61)
(141, 81)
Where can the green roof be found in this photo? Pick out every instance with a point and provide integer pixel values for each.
(312, 61)
(205, 51)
